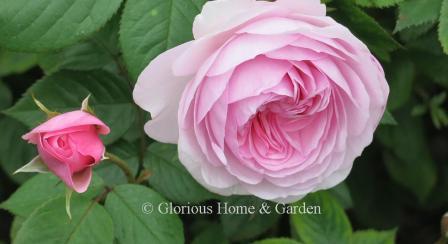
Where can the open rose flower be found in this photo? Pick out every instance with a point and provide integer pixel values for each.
(69, 146)
(273, 99)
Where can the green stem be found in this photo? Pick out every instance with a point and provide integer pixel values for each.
(122, 165)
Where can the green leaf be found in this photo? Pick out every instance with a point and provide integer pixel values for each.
(374, 237)
(342, 194)
(14, 155)
(51, 24)
(331, 226)
(109, 172)
(409, 161)
(40, 189)
(438, 114)
(15, 63)
(376, 198)
(417, 12)
(403, 171)
(419, 110)
(410, 34)
(97, 52)
(170, 178)
(388, 119)
(277, 241)
(5, 96)
(91, 224)
(15, 227)
(64, 91)
(247, 226)
(150, 27)
(437, 69)
(366, 28)
(401, 79)
(378, 3)
(443, 26)
(212, 234)
(428, 48)
(82, 56)
(125, 204)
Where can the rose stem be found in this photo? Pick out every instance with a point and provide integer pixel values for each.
(122, 165)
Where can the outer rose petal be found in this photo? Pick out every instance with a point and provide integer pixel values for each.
(158, 91)
(219, 16)
(64, 121)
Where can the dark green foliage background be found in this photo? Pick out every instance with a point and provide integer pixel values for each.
(62, 50)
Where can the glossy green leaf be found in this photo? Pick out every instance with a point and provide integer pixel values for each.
(98, 51)
(127, 203)
(82, 56)
(170, 178)
(15, 226)
(417, 12)
(40, 189)
(64, 91)
(330, 226)
(51, 24)
(150, 27)
(15, 63)
(90, 224)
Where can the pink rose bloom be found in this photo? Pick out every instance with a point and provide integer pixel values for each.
(273, 99)
(69, 146)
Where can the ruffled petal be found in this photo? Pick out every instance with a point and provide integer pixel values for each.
(158, 91)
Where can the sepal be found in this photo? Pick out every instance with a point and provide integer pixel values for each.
(36, 165)
(50, 114)
(85, 106)
(68, 197)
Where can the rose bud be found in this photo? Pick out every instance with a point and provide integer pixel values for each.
(69, 146)
(273, 99)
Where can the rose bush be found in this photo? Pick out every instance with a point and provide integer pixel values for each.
(273, 99)
(69, 145)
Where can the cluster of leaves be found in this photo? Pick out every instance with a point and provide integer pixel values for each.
(99, 47)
